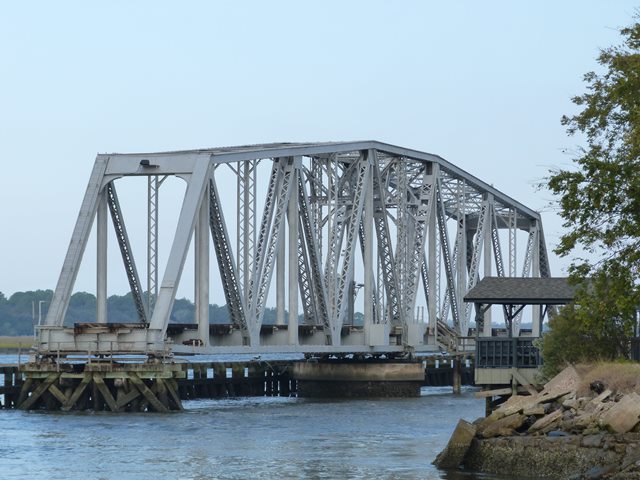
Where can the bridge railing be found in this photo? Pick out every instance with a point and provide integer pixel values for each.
(507, 353)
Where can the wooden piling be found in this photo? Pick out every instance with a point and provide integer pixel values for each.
(457, 380)
(102, 387)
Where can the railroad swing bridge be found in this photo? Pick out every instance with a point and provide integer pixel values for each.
(337, 221)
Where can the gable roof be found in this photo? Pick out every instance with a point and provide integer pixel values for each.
(528, 291)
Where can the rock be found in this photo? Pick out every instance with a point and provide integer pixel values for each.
(623, 415)
(567, 397)
(592, 441)
(505, 432)
(599, 472)
(620, 448)
(536, 457)
(631, 438)
(566, 436)
(485, 422)
(596, 402)
(581, 422)
(603, 407)
(453, 454)
(537, 410)
(571, 403)
(565, 382)
(504, 425)
(597, 386)
(546, 421)
(582, 401)
(516, 404)
(631, 459)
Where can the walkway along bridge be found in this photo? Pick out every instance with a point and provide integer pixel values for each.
(326, 220)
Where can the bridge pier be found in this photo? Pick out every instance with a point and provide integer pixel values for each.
(326, 379)
(101, 386)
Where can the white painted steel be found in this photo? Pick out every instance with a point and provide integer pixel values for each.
(322, 201)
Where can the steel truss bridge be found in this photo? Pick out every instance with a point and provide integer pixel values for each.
(394, 224)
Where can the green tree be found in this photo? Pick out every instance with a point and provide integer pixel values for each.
(600, 205)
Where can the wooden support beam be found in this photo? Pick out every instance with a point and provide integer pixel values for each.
(148, 394)
(8, 383)
(128, 397)
(40, 389)
(493, 393)
(56, 392)
(519, 378)
(172, 388)
(71, 401)
(24, 391)
(104, 390)
(161, 392)
(499, 392)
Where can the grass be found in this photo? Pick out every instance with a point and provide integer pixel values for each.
(14, 343)
(623, 377)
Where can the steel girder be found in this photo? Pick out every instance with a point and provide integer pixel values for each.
(320, 194)
(228, 274)
(126, 252)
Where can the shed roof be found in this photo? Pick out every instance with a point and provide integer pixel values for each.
(529, 291)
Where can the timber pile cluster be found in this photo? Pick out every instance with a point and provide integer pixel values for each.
(562, 431)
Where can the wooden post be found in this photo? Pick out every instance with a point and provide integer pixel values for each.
(457, 381)
(8, 384)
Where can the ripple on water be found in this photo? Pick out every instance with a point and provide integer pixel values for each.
(240, 438)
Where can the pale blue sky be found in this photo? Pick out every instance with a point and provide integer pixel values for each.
(483, 84)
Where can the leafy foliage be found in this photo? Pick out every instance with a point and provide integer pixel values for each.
(600, 204)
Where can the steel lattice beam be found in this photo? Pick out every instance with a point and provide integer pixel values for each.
(417, 218)
(125, 251)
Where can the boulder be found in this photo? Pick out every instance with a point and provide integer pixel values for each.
(566, 436)
(566, 382)
(517, 404)
(485, 422)
(574, 403)
(546, 421)
(504, 427)
(581, 423)
(597, 386)
(594, 403)
(453, 454)
(538, 410)
(623, 415)
(592, 441)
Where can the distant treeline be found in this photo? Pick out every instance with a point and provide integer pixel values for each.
(19, 312)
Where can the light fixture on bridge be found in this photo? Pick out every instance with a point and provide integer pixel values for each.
(146, 164)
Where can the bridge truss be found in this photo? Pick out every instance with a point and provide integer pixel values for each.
(386, 223)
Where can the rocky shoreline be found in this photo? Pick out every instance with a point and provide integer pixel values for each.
(562, 432)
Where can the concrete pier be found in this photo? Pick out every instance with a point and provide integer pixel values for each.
(358, 379)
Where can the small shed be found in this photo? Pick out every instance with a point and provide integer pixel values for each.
(513, 360)
(515, 293)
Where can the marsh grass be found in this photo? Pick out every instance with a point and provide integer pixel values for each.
(622, 377)
(15, 343)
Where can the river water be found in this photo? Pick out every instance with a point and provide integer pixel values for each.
(238, 438)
